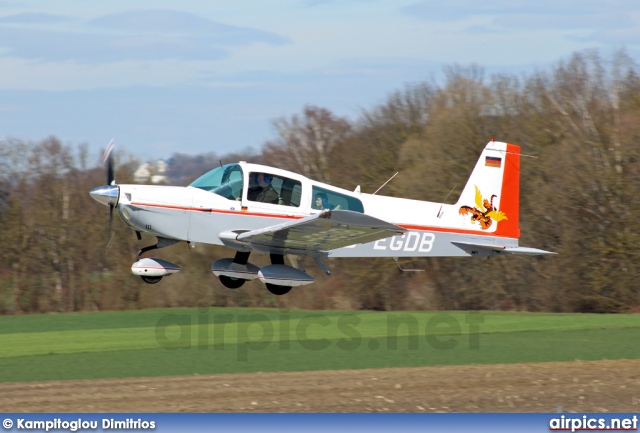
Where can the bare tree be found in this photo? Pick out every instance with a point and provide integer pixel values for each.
(306, 143)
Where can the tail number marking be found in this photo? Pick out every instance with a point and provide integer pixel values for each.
(410, 241)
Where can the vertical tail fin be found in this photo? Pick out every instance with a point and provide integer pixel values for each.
(490, 201)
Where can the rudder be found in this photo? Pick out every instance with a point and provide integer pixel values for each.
(490, 201)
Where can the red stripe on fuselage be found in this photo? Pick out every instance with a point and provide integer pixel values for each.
(228, 212)
(269, 215)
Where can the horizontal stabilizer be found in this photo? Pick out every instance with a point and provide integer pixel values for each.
(495, 250)
(526, 250)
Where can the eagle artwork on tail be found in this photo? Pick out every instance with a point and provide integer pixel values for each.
(484, 212)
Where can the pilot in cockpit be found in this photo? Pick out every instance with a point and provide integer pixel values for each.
(254, 188)
(268, 193)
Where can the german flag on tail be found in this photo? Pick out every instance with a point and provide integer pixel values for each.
(493, 161)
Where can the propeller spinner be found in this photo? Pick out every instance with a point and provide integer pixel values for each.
(108, 194)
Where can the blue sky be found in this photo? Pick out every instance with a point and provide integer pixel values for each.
(196, 76)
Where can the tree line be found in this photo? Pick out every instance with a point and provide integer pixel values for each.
(578, 124)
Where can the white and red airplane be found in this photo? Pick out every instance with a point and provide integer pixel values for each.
(254, 208)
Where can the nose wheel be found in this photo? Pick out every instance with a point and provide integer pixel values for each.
(151, 280)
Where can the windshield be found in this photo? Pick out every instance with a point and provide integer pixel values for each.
(225, 181)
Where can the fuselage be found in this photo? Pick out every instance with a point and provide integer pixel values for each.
(224, 200)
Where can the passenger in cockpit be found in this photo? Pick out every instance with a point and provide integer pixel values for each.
(321, 201)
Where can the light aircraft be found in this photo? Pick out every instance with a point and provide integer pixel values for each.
(253, 208)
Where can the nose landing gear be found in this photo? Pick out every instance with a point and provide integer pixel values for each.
(151, 270)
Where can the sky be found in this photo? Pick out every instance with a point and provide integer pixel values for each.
(196, 76)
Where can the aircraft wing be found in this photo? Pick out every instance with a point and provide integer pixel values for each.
(321, 232)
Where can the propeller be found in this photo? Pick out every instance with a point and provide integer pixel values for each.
(108, 194)
(108, 160)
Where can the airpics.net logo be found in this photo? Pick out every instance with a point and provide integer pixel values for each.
(254, 332)
(593, 423)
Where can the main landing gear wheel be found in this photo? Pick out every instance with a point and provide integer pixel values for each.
(231, 283)
(241, 258)
(151, 280)
(278, 290)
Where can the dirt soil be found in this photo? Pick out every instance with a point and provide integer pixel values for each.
(595, 386)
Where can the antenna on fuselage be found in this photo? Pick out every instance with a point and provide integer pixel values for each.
(382, 186)
(445, 199)
(404, 269)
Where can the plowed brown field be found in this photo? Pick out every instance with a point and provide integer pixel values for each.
(597, 386)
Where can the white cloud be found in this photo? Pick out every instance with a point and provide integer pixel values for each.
(456, 10)
(34, 18)
(176, 23)
(537, 25)
(133, 35)
(209, 75)
(615, 36)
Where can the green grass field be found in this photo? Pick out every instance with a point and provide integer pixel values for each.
(206, 341)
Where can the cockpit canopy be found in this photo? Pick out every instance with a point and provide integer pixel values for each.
(275, 189)
(225, 181)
